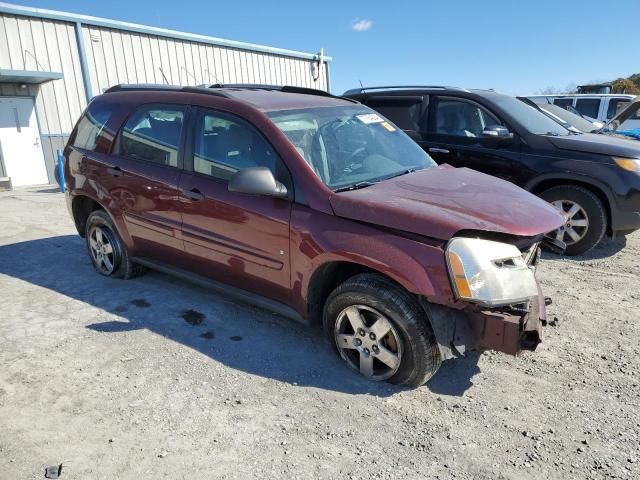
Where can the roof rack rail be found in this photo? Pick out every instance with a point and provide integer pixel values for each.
(128, 87)
(281, 88)
(215, 89)
(401, 87)
(141, 86)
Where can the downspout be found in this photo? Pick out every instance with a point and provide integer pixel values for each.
(84, 67)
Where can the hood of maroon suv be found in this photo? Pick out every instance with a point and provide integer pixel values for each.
(438, 202)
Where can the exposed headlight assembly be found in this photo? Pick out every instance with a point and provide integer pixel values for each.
(489, 273)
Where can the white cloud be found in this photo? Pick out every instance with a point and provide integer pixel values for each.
(361, 24)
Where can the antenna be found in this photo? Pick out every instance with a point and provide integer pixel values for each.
(163, 76)
(215, 78)
(189, 73)
(361, 85)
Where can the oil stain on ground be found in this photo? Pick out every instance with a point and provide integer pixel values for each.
(236, 338)
(192, 317)
(140, 303)
(209, 335)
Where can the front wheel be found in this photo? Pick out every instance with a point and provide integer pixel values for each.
(381, 331)
(586, 217)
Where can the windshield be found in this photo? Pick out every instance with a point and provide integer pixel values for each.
(623, 120)
(529, 117)
(570, 118)
(350, 145)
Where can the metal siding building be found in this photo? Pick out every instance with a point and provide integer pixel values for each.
(58, 61)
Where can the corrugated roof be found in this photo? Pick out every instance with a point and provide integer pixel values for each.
(12, 9)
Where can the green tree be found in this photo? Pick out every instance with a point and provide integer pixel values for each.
(625, 85)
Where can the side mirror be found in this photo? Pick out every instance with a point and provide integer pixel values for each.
(257, 181)
(497, 132)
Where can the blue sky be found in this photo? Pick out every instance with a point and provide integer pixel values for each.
(512, 46)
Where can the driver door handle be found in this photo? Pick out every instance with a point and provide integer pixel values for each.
(193, 194)
(438, 150)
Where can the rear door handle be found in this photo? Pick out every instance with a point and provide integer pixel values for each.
(115, 171)
(438, 150)
(193, 194)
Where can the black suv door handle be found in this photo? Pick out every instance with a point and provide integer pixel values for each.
(115, 171)
(438, 150)
(193, 194)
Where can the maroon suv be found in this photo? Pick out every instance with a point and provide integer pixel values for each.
(317, 208)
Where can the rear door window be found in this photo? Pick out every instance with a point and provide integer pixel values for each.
(153, 134)
(405, 112)
(588, 107)
(92, 126)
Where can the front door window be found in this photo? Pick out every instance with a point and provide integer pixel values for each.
(460, 118)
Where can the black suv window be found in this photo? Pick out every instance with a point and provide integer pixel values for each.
(153, 134)
(91, 126)
(588, 107)
(224, 144)
(460, 118)
(405, 112)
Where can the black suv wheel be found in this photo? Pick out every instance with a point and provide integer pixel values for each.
(381, 331)
(587, 219)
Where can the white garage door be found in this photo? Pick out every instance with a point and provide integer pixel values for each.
(20, 142)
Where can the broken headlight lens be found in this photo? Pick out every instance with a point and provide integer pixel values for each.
(489, 273)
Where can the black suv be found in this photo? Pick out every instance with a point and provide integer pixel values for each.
(593, 179)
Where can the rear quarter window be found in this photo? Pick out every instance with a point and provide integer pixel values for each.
(91, 127)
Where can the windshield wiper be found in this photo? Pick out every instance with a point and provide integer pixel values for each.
(552, 134)
(399, 174)
(354, 186)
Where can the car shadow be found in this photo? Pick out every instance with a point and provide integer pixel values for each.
(606, 248)
(455, 375)
(235, 334)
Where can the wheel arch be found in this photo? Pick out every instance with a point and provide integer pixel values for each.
(544, 182)
(81, 207)
(328, 275)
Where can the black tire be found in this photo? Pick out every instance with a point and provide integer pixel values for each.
(420, 355)
(123, 267)
(591, 205)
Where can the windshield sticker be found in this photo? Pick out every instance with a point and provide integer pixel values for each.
(370, 118)
(388, 126)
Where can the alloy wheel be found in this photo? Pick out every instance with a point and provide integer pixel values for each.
(368, 342)
(577, 222)
(101, 248)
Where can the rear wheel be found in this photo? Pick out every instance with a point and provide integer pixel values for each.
(586, 217)
(106, 249)
(381, 331)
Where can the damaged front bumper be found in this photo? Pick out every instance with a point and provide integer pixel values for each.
(508, 330)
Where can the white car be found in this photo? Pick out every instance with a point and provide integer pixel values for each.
(593, 107)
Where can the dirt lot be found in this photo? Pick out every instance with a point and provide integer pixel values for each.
(116, 379)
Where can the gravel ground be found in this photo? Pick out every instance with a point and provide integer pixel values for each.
(154, 378)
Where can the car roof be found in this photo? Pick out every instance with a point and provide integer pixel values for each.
(269, 100)
(262, 97)
(571, 95)
(418, 90)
